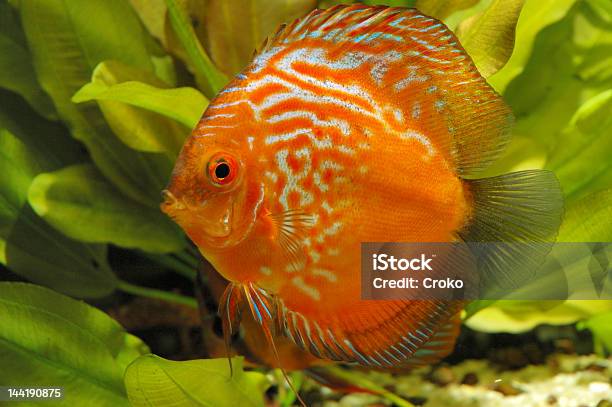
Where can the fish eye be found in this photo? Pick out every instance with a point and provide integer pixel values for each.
(222, 169)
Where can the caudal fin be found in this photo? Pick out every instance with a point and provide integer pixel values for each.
(516, 217)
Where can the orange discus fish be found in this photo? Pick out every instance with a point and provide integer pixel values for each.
(353, 124)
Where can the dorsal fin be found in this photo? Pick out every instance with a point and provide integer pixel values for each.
(470, 120)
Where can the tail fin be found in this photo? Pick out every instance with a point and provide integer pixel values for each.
(521, 213)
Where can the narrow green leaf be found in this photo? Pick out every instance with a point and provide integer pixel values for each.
(151, 380)
(208, 76)
(48, 339)
(234, 29)
(80, 203)
(68, 38)
(185, 105)
(489, 36)
(441, 9)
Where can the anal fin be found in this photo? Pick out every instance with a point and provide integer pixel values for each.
(439, 346)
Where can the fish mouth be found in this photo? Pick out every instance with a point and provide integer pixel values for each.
(204, 222)
(170, 203)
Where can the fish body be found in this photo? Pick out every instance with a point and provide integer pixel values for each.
(354, 124)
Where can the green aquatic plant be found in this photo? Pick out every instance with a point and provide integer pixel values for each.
(96, 98)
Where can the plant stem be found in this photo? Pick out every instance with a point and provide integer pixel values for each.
(193, 251)
(365, 383)
(157, 294)
(280, 381)
(205, 70)
(288, 398)
(187, 258)
(172, 263)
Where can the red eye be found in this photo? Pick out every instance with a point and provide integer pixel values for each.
(222, 169)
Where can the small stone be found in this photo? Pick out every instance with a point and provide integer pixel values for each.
(513, 358)
(554, 364)
(596, 367)
(390, 387)
(565, 346)
(534, 354)
(442, 376)
(417, 401)
(470, 378)
(507, 389)
(552, 400)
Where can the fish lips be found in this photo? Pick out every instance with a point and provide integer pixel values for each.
(209, 221)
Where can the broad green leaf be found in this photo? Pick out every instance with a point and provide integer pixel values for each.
(50, 141)
(153, 381)
(489, 36)
(441, 9)
(18, 167)
(209, 78)
(16, 69)
(48, 339)
(589, 219)
(41, 254)
(68, 38)
(390, 3)
(322, 4)
(601, 327)
(556, 81)
(234, 29)
(536, 15)
(522, 316)
(80, 203)
(33, 249)
(153, 14)
(581, 158)
(456, 18)
(130, 100)
(185, 105)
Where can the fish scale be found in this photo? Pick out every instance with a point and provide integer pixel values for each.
(313, 144)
